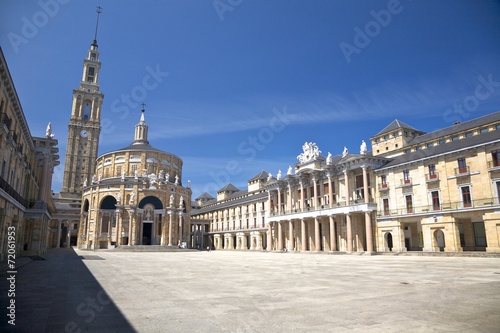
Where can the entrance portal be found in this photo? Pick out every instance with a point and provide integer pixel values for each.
(147, 228)
(388, 237)
(439, 237)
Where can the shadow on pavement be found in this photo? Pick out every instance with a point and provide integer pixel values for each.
(60, 295)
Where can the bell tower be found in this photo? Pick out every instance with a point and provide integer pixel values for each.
(84, 125)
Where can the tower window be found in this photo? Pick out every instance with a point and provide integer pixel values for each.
(91, 74)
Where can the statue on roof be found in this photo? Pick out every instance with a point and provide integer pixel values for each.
(290, 170)
(269, 176)
(310, 152)
(329, 159)
(362, 148)
(345, 152)
(48, 132)
(278, 177)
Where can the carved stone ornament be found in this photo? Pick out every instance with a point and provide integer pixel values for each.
(310, 152)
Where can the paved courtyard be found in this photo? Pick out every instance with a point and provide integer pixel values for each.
(105, 291)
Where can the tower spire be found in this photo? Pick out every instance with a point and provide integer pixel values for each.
(141, 130)
(99, 11)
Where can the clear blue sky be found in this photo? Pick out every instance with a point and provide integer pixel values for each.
(340, 71)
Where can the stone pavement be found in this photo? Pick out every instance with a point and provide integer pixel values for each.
(232, 291)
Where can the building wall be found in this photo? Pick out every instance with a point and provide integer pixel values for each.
(26, 166)
(463, 215)
(124, 207)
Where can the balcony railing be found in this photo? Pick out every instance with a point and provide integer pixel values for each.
(445, 206)
(459, 172)
(5, 122)
(356, 202)
(406, 182)
(383, 186)
(431, 177)
(12, 192)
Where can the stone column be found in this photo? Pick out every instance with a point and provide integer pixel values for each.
(333, 238)
(346, 192)
(303, 234)
(365, 185)
(170, 228)
(330, 191)
(269, 207)
(279, 202)
(117, 226)
(164, 231)
(280, 236)
(302, 196)
(269, 237)
(59, 234)
(315, 193)
(369, 235)
(317, 240)
(131, 228)
(349, 233)
(180, 228)
(289, 198)
(290, 236)
(69, 235)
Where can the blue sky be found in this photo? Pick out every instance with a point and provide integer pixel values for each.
(241, 85)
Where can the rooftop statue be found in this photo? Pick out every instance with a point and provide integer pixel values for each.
(48, 132)
(310, 152)
(362, 148)
(345, 152)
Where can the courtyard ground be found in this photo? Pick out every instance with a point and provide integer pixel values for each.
(233, 291)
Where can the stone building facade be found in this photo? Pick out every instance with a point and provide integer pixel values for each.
(414, 191)
(136, 197)
(440, 190)
(27, 165)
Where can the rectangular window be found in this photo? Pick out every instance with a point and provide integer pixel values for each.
(409, 204)
(468, 134)
(406, 176)
(483, 130)
(383, 179)
(386, 206)
(442, 142)
(462, 165)
(432, 171)
(455, 138)
(4, 168)
(91, 74)
(436, 205)
(466, 197)
(496, 157)
(395, 134)
(429, 145)
(119, 170)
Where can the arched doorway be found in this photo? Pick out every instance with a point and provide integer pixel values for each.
(439, 239)
(151, 218)
(388, 241)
